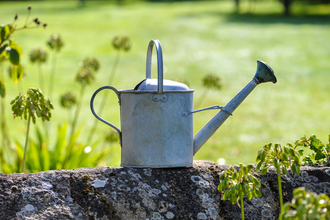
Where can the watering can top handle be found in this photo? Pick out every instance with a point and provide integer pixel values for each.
(159, 63)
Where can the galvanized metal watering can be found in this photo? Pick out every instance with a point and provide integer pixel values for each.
(157, 118)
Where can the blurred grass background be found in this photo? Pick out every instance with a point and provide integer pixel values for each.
(198, 38)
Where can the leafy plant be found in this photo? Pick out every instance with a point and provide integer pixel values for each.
(281, 159)
(10, 50)
(29, 107)
(238, 184)
(42, 157)
(306, 205)
(210, 81)
(8, 47)
(119, 43)
(321, 150)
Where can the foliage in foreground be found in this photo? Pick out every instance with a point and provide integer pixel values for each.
(239, 184)
(39, 154)
(282, 159)
(306, 205)
(320, 150)
(29, 107)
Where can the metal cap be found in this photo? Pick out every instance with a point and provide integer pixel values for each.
(168, 85)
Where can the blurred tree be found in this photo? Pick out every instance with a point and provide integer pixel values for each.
(286, 4)
(236, 5)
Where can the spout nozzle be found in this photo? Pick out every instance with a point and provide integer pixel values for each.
(264, 73)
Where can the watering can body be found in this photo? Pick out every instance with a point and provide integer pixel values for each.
(154, 134)
(157, 118)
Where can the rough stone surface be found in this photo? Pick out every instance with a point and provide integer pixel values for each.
(153, 194)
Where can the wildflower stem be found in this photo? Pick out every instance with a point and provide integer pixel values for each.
(52, 75)
(73, 127)
(201, 98)
(41, 81)
(279, 187)
(242, 205)
(26, 142)
(327, 155)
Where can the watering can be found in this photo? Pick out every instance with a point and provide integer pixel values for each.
(157, 117)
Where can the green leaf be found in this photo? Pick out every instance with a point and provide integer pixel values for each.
(2, 33)
(227, 195)
(256, 182)
(258, 166)
(245, 170)
(264, 170)
(319, 156)
(285, 157)
(14, 56)
(2, 48)
(17, 73)
(250, 177)
(298, 169)
(257, 192)
(284, 170)
(291, 152)
(233, 199)
(276, 163)
(234, 176)
(2, 89)
(249, 195)
(245, 188)
(294, 168)
(223, 185)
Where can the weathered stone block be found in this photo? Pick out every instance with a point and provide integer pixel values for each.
(127, 193)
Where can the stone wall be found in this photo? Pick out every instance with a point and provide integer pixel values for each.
(127, 193)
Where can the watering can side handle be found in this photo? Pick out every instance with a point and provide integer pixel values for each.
(96, 115)
(159, 63)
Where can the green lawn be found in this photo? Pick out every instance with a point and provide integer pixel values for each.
(197, 38)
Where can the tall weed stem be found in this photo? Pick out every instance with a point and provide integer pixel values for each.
(26, 142)
(41, 80)
(73, 126)
(280, 188)
(242, 205)
(52, 75)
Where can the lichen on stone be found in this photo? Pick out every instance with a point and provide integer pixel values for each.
(99, 183)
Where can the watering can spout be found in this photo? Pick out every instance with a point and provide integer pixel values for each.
(263, 74)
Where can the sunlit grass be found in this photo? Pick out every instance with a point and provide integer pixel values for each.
(197, 38)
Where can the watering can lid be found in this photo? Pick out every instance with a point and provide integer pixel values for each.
(168, 85)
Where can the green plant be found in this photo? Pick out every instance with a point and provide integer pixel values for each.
(210, 81)
(42, 157)
(85, 76)
(321, 150)
(281, 159)
(119, 43)
(31, 106)
(39, 56)
(10, 50)
(8, 47)
(306, 205)
(238, 184)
